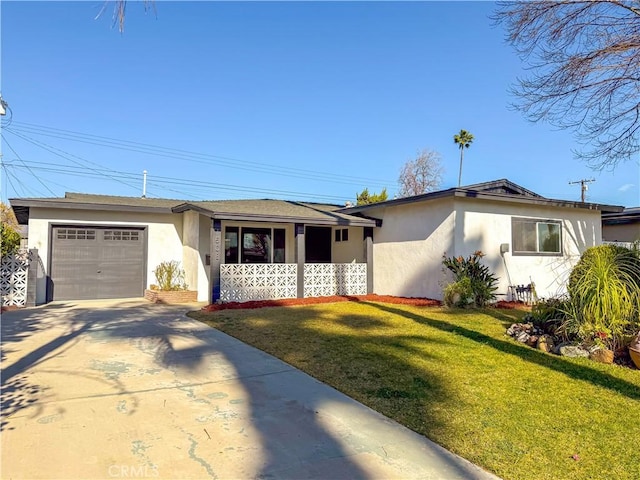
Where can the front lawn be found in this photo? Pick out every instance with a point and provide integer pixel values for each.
(455, 377)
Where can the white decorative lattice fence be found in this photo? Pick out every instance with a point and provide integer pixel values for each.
(629, 245)
(260, 281)
(14, 271)
(326, 279)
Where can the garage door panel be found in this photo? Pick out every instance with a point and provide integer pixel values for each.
(93, 262)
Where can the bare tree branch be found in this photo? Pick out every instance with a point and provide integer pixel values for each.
(119, 11)
(424, 174)
(584, 59)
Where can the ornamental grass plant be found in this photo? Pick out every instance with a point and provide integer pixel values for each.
(604, 291)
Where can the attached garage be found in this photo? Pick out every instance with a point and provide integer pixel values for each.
(94, 262)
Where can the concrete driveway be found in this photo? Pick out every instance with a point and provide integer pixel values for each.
(128, 389)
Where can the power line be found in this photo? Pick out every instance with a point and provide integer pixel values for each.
(34, 175)
(196, 157)
(66, 155)
(161, 181)
(17, 179)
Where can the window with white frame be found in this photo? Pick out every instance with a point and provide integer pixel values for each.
(533, 236)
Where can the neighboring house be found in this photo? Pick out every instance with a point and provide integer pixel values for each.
(525, 237)
(97, 246)
(621, 226)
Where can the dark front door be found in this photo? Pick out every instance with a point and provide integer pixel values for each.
(94, 262)
(317, 244)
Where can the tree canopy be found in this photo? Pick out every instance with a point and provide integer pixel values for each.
(464, 140)
(584, 59)
(9, 236)
(365, 198)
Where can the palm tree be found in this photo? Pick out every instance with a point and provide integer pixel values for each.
(464, 140)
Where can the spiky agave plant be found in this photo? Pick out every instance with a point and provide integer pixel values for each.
(604, 290)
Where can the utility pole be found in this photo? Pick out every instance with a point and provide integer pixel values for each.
(3, 112)
(583, 186)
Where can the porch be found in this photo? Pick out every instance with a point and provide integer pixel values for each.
(271, 249)
(249, 263)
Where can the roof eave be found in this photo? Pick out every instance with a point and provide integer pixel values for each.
(256, 217)
(549, 202)
(31, 203)
(399, 201)
(466, 193)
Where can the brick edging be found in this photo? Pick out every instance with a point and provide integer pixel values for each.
(175, 296)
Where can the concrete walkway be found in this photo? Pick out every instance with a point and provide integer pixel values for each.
(127, 389)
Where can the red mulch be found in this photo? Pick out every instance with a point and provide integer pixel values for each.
(511, 305)
(8, 308)
(286, 302)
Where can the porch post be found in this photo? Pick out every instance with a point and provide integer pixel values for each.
(368, 253)
(216, 260)
(32, 278)
(300, 257)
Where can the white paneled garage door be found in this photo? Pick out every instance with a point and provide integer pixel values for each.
(89, 262)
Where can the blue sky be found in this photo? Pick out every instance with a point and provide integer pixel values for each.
(299, 100)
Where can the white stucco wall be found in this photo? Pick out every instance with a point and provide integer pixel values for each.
(164, 235)
(191, 260)
(350, 251)
(483, 225)
(204, 243)
(409, 247)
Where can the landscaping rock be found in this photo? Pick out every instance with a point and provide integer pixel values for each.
(525, 333)
(602, 355)
(511, 331)
(573, 351)
(545, 343)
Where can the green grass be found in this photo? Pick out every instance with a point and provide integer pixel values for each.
(455, 377)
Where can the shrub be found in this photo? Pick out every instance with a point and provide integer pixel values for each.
(548, 313)
(459, 294)
(10, 239)
(482, 282)
(604, 290)
(169, 276)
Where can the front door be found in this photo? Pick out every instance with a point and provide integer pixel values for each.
(317, 244)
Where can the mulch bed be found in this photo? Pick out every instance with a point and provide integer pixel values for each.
(8, 308)
(287, 302)
(511, 305)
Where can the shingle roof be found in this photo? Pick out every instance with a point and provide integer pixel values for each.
(72, 197)
(256, 210)
(274, 210)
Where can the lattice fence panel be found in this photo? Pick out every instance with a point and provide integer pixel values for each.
(326, 279)
(259, 281)
(14, 270)
(628, 245)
